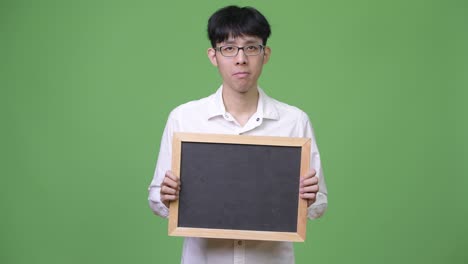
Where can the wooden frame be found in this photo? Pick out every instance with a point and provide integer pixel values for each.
(298, 236)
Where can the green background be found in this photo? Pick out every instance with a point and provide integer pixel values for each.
(86, 87)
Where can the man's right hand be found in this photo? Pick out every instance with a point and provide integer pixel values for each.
(170, 188)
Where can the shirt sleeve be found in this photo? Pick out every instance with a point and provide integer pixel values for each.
(318, 208)
(163, 164)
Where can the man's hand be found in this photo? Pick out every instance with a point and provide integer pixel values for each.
(170, 188)
(309, 187)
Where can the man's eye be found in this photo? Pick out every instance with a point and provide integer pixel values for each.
(228, 49)
(252, 48)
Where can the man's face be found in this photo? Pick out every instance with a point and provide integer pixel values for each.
(241, 72)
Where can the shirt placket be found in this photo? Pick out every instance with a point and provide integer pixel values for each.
(239, 252)
(253, 123)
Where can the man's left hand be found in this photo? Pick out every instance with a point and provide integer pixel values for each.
(309, 187)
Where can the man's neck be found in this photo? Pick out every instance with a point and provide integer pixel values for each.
(241, 105)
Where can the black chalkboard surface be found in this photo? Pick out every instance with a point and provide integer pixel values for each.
(239, 187)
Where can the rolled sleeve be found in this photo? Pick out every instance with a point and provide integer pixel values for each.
(155, 203)
(163, 165)
(318, 208)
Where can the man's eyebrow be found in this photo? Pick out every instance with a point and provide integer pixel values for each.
(251, 42)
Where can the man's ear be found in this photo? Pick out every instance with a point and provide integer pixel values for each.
(212, 56)
(266, 54)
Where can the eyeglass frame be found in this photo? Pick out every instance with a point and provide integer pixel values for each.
(262, 47)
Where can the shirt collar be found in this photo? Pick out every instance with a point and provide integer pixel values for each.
(266, 108)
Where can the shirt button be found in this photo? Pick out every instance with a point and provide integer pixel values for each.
(239, 242)
(258, 119)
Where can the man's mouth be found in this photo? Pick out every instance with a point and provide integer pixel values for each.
(241, 74)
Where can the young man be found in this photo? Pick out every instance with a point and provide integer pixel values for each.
(238, 38)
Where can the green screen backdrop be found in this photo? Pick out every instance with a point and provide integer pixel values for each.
(86, 88)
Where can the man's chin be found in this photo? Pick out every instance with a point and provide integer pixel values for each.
(244, 88)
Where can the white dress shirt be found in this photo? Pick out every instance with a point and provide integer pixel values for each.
(208, 115)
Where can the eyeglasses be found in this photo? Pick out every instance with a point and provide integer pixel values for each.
(231, 51)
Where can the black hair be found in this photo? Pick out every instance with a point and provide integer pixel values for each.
(234, 21)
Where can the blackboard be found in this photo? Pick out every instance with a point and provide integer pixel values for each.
(239, 187)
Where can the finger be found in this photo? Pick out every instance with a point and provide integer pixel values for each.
(309, 189)
(171, 176)
(311, 173)
(308, 175)
(168, 190)
(308, 196)
(171, 183)
(168, 197)
(309, 181)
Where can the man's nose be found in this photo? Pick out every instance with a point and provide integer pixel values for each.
(241, 58)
